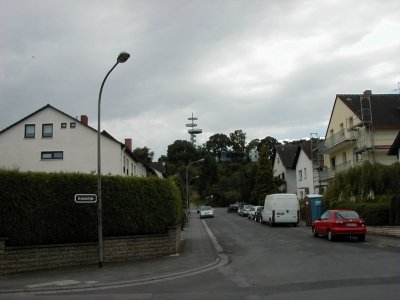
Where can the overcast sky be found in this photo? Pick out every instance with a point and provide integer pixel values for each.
(269, 68)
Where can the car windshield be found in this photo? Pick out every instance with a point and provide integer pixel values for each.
(347, 214)
(206, 208)
(248, 206)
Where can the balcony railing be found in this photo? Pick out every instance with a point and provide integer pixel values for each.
(341, 138)
(331, 172)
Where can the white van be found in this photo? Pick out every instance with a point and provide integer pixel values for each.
(281, 209)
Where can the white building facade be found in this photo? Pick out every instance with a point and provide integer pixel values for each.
(49, 140)
(304, 175)
(284, 167)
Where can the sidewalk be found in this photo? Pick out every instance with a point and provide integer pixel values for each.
(198, 255)
(384, 230)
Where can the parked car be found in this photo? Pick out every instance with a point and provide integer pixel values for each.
(244, 210)
(257, 214)
(334, 223)
(199, 208)
(206, 212)
(233, 207)
(252, 212)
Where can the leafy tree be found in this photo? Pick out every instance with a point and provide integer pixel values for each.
(270, 144)
(238, 142)
(144, 154)
(209, 175)
(217, 144)
(248, 181)
(265, 183)
(179, 154)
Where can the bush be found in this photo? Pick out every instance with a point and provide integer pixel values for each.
(39, 208)
(374, 214)
(373, 184)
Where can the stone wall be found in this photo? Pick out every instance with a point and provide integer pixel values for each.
(32, 258)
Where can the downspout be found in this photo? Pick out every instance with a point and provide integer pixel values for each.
(122, 162)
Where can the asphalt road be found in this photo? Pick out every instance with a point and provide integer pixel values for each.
(278, 263)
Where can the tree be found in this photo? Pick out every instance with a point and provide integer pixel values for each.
(179, 154)
(144, 154)
(217, 144)
(238, 142)
(265, 183)
(270, 144)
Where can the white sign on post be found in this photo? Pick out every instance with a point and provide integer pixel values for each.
(85, 198)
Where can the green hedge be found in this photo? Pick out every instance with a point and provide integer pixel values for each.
(370, 189)
(374, 214)
(39, 208)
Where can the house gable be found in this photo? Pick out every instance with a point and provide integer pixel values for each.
(287, 155)
(341, 115)
(73, 141)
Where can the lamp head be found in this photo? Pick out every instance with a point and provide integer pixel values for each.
(123, 57)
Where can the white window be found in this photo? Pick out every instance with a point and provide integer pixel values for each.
(45, 155)
(300, 175)
(30, 131)
(305, 173)
(47, 130)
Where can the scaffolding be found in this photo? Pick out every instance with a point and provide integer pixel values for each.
(317, 158)
(363, 132)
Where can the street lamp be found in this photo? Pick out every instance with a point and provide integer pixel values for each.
(122, 57)
(190, 180)
(187, 184)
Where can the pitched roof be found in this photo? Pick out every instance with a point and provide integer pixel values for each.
(103, 133)
(306, 147)
(288, 155)
(385, 108)
(36, 112)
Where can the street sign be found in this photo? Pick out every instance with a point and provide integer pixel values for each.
(85, 198)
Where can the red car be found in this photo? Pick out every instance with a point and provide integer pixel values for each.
(339, 223)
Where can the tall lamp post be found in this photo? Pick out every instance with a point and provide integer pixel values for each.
(122, 57)
(187, 185)
(190, 180)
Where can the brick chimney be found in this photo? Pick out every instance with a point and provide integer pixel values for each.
(128, 144)
(367, 93)
(84, 119)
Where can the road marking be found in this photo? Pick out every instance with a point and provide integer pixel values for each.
(57, 283)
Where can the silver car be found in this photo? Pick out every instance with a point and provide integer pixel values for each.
(206, 212)
(244, 210)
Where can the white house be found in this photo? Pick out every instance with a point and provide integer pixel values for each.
(253, 155)
(304, 171)
(285, 167)
(49, 140)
